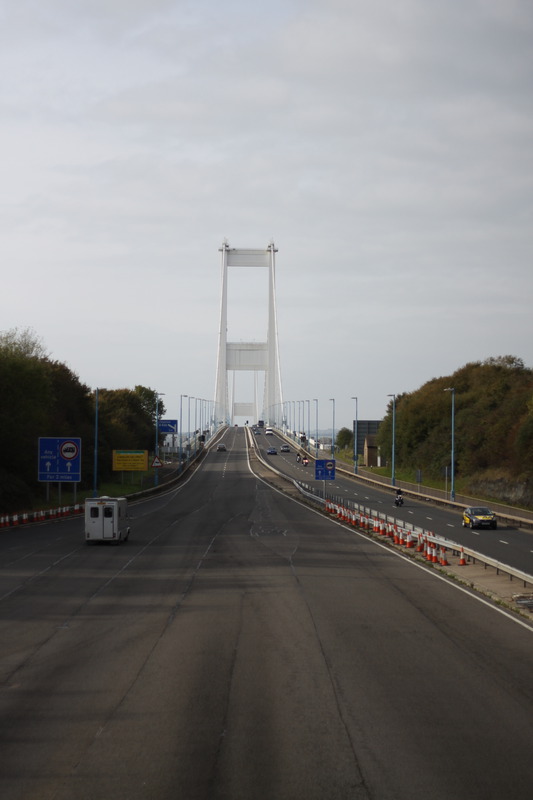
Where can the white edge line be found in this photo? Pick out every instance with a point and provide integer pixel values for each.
(469, 592)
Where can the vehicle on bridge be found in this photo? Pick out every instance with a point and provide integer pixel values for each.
(106, 519)
(479, 517)
(272, 451)
(221, 448)
(285, 448)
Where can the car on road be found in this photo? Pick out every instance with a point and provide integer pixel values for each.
(285, 448)
(272, 451)
(479, 517)
(221, 448)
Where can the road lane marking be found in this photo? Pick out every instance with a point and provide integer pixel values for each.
(503, 541)
(404, 557)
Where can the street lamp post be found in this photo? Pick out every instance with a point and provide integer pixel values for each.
(95, 469)
(156, 448)
(189, 428)
(315, 400)
(196, 425)
(355, 440)
(332, 399)
(452, 490)
(308, 422)
(181, 430)
(293, 417)
(393, 471)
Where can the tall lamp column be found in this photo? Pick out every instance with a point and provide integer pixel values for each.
(315, 400)
(181, 430)
(332, 399)
(156, 448)
(393, 471)
(452, 492)
(355, 440)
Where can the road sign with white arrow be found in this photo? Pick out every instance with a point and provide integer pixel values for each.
(59, 459)
(167, 426)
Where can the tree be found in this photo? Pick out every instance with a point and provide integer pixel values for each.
(39, 398)
(493, 427)
(148, 398)
(126, 420)
(23, 343)
(344, 439)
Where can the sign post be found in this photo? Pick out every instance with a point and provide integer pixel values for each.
(59, 461)
(325, 471)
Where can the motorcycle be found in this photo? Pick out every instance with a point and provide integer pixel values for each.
(398, 500)
(298, 459)
(305, 462)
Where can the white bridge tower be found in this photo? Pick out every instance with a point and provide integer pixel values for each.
(256, 357)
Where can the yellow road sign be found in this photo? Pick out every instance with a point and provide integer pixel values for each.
(130, 460)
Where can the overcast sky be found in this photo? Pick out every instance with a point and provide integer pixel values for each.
(385, 146)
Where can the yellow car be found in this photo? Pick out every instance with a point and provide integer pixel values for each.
(479, 517)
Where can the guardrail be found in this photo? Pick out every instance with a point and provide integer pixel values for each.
(412, 536)
(517, 517)
(432, 548)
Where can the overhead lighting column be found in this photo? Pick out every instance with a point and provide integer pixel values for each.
(332, 399)
(452, 492)
(393, 471)
(315, 400)
(181, 429)
(355, 440)
(189, 428)
(156, 448)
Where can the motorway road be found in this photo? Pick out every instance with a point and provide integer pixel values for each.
(242, 646)
(506, 544)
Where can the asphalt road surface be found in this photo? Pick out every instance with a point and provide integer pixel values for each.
(506, 544)
(242, 646)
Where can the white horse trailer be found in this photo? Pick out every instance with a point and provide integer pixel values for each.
(106, 519)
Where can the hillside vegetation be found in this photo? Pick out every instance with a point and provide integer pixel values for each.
(41, 397)
(493, 423)
(493, 428)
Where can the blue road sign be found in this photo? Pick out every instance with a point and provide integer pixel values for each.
(168, 426)
(59, 459)
(325, 470)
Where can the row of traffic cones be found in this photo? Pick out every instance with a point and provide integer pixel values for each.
(19, 520)
(433, 552)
